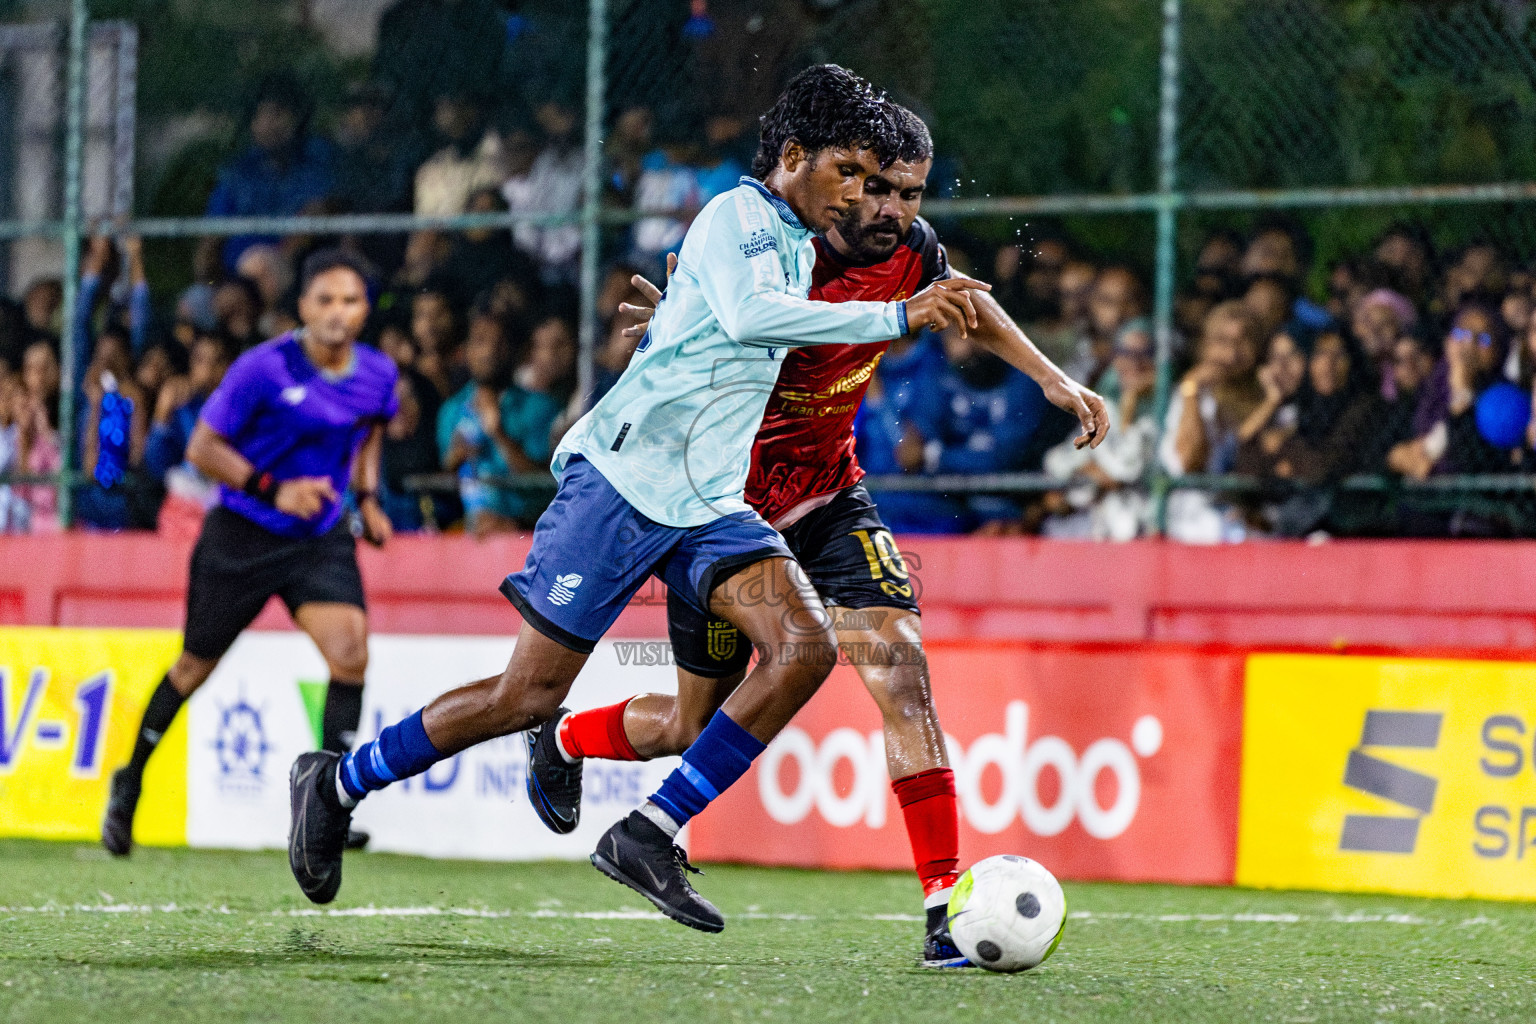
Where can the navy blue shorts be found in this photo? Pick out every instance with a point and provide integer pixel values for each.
(592, 551)
(851, 560)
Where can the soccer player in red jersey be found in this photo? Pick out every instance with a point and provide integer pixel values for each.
(805, 481)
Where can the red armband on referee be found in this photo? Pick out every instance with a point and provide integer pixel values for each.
(262, 487)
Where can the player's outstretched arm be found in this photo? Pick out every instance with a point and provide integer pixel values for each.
(1000, 335)
(738, 273)
(940, 305)
(217, 459)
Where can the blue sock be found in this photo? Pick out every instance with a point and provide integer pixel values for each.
(721, 755)
(402, 750)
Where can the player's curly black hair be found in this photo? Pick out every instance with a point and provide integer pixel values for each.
(824, 106)
(915, 143)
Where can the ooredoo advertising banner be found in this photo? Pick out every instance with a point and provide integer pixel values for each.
(1102, 763)
(70, 701)
(1389, 775)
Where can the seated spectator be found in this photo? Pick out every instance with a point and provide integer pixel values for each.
(1405, 251)
(394, 337)
(1378, 320)
(160, 363)
(1413, 362)
(1280, 248)
(435, 330)
(1339, 410)
(42, 303)
(492, 429)
(410, 449)
(188, 494)
(1115, 299)
(481, 257)
(1338, 407)
(37, 447)
(1270, 298)
(1274, 419)
(1446, 435)
(468, 157)
(410, 440)
(1114, 504)
(549, 368)
(375, 168)
(987, 413)
(1214, 398)
(625, 148)
(892, 427)
(1216, 279)
(237, 311)
(1479, 271)
(552, 183)
(284, 170)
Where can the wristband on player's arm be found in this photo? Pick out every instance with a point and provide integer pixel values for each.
(261, 486)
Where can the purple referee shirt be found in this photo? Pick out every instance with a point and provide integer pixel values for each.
(289, 419)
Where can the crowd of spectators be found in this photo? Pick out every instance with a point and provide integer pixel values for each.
(1412, 364)
(1401, 361)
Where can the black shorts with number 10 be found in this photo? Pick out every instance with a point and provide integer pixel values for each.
(851, 559)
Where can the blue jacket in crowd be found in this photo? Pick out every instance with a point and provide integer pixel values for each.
(255, 184)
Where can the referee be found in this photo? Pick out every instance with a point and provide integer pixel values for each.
(294, 420)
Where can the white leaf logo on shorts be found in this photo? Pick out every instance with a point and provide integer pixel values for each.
(564, 588)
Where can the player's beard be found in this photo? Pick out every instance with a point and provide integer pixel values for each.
(870, 242)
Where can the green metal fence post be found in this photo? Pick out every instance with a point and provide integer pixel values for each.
(591, 206)
(74, 126)
(1167, 236)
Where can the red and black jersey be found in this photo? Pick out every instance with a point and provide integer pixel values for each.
(804, 448)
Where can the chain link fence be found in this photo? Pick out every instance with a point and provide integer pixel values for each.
(1133, 131)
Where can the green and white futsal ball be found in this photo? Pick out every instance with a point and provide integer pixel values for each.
(1007, 913)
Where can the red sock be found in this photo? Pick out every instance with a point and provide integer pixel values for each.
(928, 803)
(597, 733)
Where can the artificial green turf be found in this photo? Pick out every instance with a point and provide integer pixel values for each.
(798, 946)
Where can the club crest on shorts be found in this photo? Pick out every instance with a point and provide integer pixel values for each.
(564, 589)
(720, 640)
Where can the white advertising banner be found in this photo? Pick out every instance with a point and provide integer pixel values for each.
(261, 708)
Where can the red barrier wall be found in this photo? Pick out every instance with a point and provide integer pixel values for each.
(1393, 595)
(1107, 762)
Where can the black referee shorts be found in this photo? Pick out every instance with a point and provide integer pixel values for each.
(851, 559)
(237, 566)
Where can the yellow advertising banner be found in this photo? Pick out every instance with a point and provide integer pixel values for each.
(1389, 775)
(70, 701)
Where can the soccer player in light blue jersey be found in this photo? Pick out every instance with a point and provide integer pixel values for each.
(651, 483)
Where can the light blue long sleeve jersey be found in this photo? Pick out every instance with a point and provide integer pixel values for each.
(674, 436)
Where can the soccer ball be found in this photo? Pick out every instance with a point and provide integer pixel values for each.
(1007, 913)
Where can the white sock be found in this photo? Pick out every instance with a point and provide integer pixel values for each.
(342, 794)
(560, 744)
(939, 898)
(660, 818)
